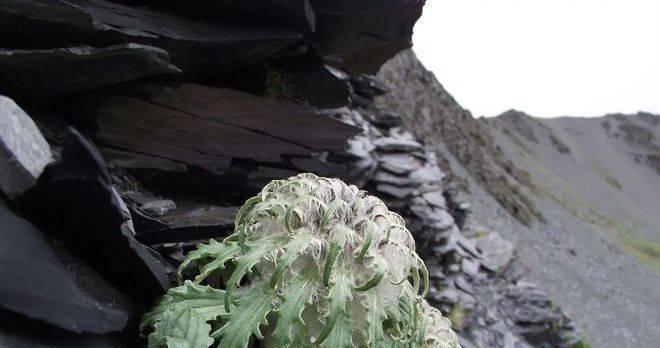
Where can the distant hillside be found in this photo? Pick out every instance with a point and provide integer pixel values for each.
(580, 198)
(605, 171)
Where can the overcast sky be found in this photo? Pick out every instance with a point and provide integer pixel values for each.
(545, 57)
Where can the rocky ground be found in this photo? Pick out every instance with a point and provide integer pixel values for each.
(593, 185)
(596, 182)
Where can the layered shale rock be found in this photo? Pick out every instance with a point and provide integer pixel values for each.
(193, 110)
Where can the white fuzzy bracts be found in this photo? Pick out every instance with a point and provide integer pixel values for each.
(312, 262)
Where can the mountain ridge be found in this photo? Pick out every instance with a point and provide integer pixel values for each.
(592, 243)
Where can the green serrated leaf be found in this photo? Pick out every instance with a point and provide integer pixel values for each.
(247, 261)
(247, 206)
(244, 320)
(204, 301)
(295, 296)
(221, 257)
(334, 332)
(376, 315)
(181, 327)
(298, 244)
(212, 250)
(341, 335)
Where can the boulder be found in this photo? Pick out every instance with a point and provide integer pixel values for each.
(24, 153)
(495, 250)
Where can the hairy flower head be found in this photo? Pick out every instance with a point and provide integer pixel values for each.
(312, 262)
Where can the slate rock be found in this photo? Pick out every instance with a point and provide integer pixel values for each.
(189, 222)
(44, 284)
(398, 163)
(158, 207)
(436, 199)
(362, 35)
(318, 83)
(132, 160)
(430, 173)
(207, 127)
(397, 144)
(495, 250)
(318, 166)
(395, 191)
(196, 46)
(13, 339)
(75, 202)
(368, 86)
(385, 120)
(470, 267)
(297, 14)
(361, 147)
(24, 153)
(58, 72)
(462, 284)
(275, 118)
(468, 246)
(386, 177)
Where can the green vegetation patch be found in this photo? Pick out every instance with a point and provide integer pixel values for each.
(644, 250)
(582, 343)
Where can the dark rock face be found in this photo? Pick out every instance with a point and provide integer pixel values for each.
(95, 222)
(63, 71)
(363, 35)
(42, 283)
(194, 108)
(195, 125)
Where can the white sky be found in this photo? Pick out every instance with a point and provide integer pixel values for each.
(544, 57)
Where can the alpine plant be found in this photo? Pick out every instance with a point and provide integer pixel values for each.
(312, 262)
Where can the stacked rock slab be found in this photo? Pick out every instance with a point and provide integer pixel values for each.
(189, 108)
(476, 280)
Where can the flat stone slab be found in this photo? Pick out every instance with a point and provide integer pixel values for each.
(47, 73)
(208, 127)
(196, 46)
(24, 153)
(38, 284)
